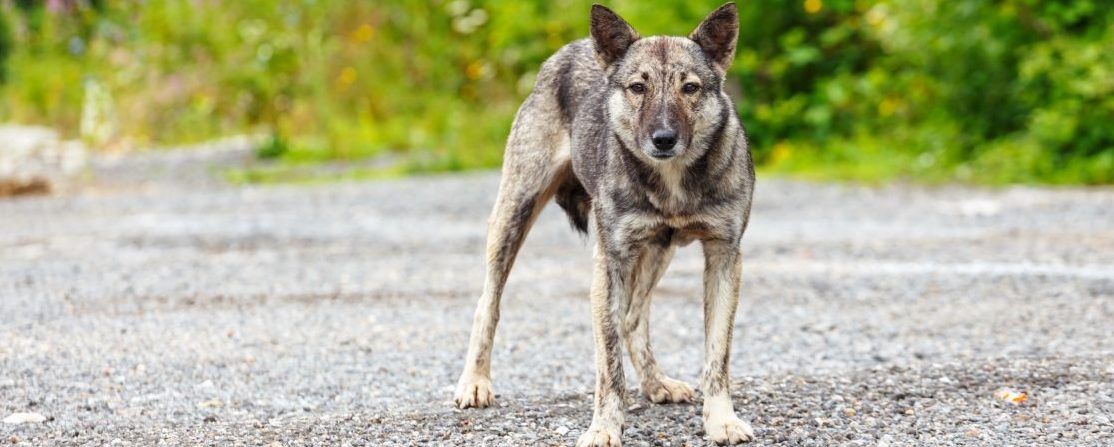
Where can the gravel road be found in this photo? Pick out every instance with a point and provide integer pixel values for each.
(192, 313)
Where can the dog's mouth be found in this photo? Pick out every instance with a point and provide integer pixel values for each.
(659, 154)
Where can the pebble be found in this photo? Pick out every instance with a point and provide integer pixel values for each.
(24, 418)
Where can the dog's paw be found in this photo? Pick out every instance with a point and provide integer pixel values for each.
(474, 392)
(597, 436)
(666, 390)
(728, 430)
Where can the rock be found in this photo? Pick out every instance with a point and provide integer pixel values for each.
(562, 430)
(21, 418)
(35, 160)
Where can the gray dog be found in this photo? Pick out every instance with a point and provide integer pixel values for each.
(639, 134)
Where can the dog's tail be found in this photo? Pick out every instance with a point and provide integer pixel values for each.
(574, 199)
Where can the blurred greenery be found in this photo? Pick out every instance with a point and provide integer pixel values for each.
(934, 90)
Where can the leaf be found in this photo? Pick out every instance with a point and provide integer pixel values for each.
(1011, 396)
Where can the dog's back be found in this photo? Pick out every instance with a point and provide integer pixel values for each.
(568, 77)
(563, 88)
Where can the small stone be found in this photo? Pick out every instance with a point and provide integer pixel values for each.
(212, 403)
(849, 412)
(562, 430)
(21, 418)
(908, 411)
(971, 433)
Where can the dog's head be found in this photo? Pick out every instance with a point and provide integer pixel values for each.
(665, 94)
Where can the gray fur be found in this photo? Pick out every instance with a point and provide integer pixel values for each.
(583, 137)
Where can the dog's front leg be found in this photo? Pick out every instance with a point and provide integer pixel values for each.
(722, 277)
(657, 387)
(609, 293)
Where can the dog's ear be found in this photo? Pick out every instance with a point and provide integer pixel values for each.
(611, 35)
(717, 35)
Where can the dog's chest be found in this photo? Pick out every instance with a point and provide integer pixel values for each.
(685, 230)
(669, 195)
(680, 218)
(673, 230)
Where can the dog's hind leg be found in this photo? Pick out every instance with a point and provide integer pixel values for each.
(536, 162)
(656, 386)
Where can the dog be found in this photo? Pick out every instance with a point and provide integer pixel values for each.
(637, 134)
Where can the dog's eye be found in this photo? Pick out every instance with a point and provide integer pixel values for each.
(690, 87)
(637, 88)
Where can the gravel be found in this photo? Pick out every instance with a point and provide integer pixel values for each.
(193, 313)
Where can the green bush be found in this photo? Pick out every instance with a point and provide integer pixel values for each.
(5, 46)
(1007, 91)
(1003, 91)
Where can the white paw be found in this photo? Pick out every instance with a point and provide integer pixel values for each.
(668, 390)
(600, 437)
(728, 430)
(474, 392)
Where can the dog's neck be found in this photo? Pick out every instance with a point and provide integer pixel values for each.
(677, 185)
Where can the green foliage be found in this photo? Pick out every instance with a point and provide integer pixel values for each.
(994, 92)
(5, 46)
(1003, 91)
(274, 147)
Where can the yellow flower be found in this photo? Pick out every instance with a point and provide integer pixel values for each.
(364, 33)
(476, 70)
(782, 150)
(813, 6)
(888, 106)
(347, 76)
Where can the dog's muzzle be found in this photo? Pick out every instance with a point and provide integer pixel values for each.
(665, 140)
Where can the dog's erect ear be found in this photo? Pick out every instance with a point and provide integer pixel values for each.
(717, 34)
(611, 35)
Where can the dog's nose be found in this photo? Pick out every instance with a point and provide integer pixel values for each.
(664, 139)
